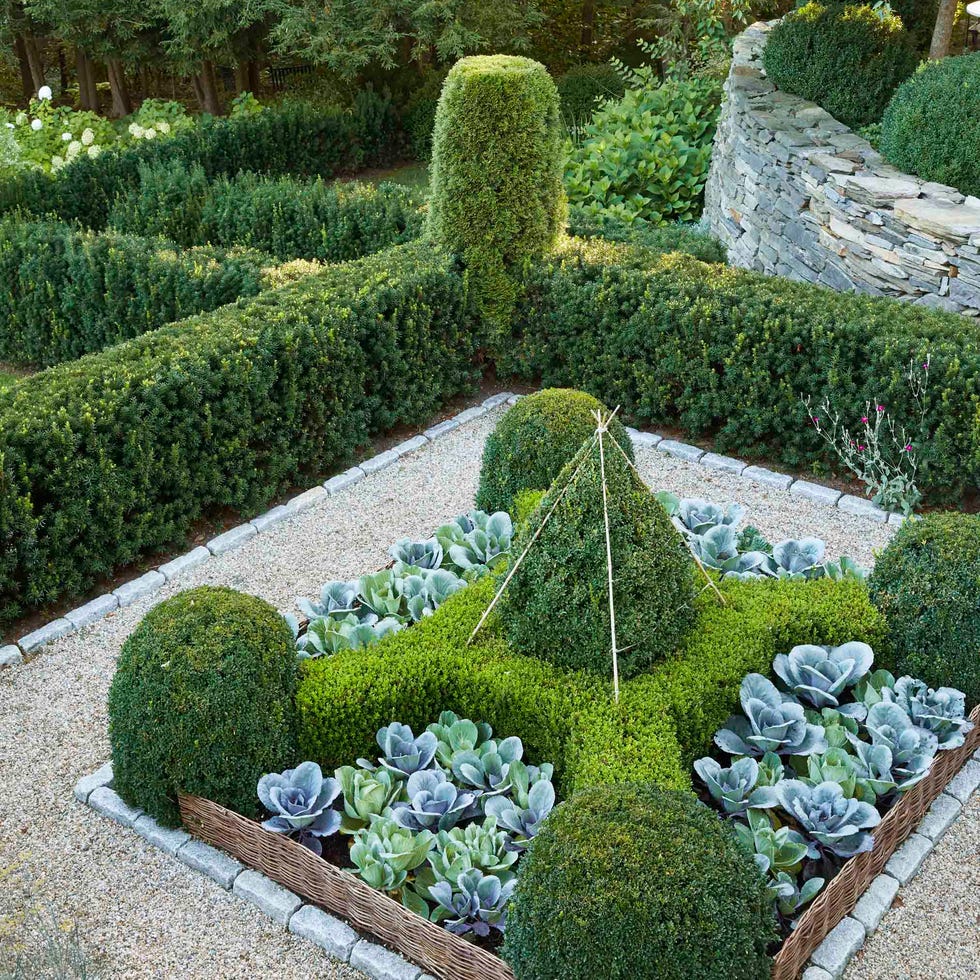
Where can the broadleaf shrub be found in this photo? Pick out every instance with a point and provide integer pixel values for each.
(294, 138)
(927, 584)
(70, 292)
(497, 198)
(630, 881)
(930, 127)
(848, 59)
(726, 353)
(202, 702)
(556, 606)
(287, 217)
(534, 441)
(646, 155)
(117, 454)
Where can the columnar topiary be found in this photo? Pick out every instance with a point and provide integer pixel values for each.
(497, 197)
(202, 701)
(848, 59)
(534, 440)
(629, 882)
(932, 124)
(556, 606)
(927, 584)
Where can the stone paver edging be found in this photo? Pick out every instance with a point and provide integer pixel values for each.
(339, 941)
(14, 654)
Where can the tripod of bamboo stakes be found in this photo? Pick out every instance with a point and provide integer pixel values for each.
(599, 437)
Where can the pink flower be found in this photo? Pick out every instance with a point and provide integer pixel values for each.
(815, 419)
(925, 367)
(881, 408)
(860, 449)
(908, 448)
(864, 418)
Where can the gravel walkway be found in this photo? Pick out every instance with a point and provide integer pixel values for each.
(144, 915)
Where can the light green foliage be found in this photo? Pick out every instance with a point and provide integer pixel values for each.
(927, 585)
(556, 606)
(848, 59)
(497, 198)
(630, 881)
(534, 440)
(202, 701)
(646, 156)
(930, 126)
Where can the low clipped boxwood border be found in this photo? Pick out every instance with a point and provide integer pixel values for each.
(664, 720)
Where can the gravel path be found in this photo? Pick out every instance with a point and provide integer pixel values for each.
(143, 914)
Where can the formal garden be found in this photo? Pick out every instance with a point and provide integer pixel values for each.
(430, 533)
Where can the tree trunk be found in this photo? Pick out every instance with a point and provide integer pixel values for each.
(88, 94)
(34, 62)
(254, 78)
(206, 89)
(588, 24)
(62, 71)
(122, 105)
(26, 79)
(943, 33)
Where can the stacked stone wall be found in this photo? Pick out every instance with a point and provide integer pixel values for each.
(793, 192)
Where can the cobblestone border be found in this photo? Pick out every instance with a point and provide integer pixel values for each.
(15, 654)
(339, 941)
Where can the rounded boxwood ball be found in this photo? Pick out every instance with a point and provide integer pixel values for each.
(848, 59)
(202, 701)
(927, 585)
(533, 442)
(932, 124)
(629, 882)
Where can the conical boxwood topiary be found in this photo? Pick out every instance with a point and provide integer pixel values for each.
(556, 606)
(534, 440)
(202, 701)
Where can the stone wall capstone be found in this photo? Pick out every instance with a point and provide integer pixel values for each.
(793, 192)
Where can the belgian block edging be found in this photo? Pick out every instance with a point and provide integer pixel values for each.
(339, 941)
(12, 655)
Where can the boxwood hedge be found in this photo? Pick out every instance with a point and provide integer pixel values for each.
(664, 719)
(727, 354)
(111, 456)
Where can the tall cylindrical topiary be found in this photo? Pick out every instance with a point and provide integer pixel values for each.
(202, 701)
(497, 197)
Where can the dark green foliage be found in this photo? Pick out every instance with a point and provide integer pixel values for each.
(556, 606)
(927, 585)
(677, 236)
(295, 138)
(698, 686)
(533, 442)
(202, 701)
(287, 217)
(631, 882)
(848, 59)
(115, 455)
(581, 88)
(932, 124)
(419, 117)
(497, 197)
(725, 353)
(568, 718)
(69, 292)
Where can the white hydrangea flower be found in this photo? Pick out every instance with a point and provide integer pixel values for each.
(94, 150)
(37, 125)
(88, 137)
(66, 137)
(164, 127)
(74, 148)
(44, 93)
(20, 118)
(135, 130)
(57, 162)
(9, 125)
(149, 133)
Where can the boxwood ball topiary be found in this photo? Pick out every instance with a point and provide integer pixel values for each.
(927, 585)
(848, 59)
(497, 197)
(534, 440)
(629, 882)
(202, 701)
(932, 124)
(556, 606)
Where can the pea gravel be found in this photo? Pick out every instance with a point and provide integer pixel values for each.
(140, 913)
